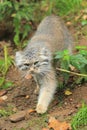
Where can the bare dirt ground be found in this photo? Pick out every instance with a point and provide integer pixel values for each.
(21, 97)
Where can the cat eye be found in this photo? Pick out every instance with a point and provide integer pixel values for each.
(26, 64)
(46, 60)
(35, 63)
(19, 66)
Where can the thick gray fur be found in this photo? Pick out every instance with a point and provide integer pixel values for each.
(36, 59)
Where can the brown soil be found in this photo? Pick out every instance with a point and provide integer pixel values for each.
(62, 109)
(21, 97)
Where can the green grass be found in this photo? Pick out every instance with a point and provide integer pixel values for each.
(5, 112)
(66, 7)
(62, 7)
(35, 11)
(5, 63)
(80, 119)
(38, 122)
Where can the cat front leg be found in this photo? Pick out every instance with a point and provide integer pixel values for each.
(36, 91)
(46, 94)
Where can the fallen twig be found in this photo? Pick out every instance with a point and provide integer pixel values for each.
(74, 73)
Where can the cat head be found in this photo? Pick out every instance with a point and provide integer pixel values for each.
(33, 61)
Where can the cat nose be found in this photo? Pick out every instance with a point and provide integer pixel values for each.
(32, 69)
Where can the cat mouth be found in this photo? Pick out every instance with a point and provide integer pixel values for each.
(28, 76)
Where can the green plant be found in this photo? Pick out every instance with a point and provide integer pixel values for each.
(20, 14)
(7, 111)
(80, 119)
(62, 7)
(77, 61)
(80, 60)
(69, 6)
(5, 63)
(4, 113)
(84, 22)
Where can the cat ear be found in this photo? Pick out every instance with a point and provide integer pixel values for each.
(18, 54)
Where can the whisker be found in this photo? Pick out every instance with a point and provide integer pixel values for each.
(48, 73)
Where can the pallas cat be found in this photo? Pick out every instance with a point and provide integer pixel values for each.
(37, 58)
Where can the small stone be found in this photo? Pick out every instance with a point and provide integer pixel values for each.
(71, 112)
(77, 106)
(69, 23)
(71, 99)
(19, 116)
(27, 97)
(4, 97)
(14, 109)
(65, 103)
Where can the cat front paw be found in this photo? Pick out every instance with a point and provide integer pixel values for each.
(41, 109)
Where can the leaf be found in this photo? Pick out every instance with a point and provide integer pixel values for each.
(59, 55)
(45, 129)
(2, 79)
(84, 22)
(2, 62)
(16, 39)
(13, 15)
(66, 52)
(26, 28)
(57, 125)
(68, 92)
(30, 111)
(78, 60)
(62, 54)
(72, 67)
(83, 52)
(7, 85)
(81, 47)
